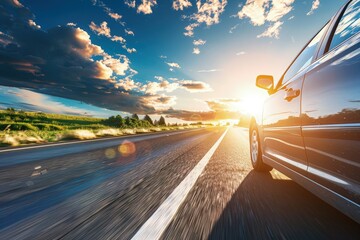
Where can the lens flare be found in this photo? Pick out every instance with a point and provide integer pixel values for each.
(110, 153)
(127, 148)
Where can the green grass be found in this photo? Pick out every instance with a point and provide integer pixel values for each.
(19, 127)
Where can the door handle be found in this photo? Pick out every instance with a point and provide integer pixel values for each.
(291, 93)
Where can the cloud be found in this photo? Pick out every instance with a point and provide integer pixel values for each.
(200, 115)
(196, 51)
(159, 78)
(223, 104)
(181, 4)
(199, 42)
(130, 3)
(103, 29)
(163, 56)
(173, 64)
(119, 65)
(128, 84)
(209, 12)
(194, 86)
(220, 109)
(62, 61)
(190, 29)
(129, 32)
(71, 24)
(240, 53)
(209, 70)
(160, 102)
(162, 86)
(145, 6)
(118, 39)
(129, 50)
(114, 16)
(117, 17)
(233, 28)
(33, 24)
(314, 6)
(272, 31)
(261, 11)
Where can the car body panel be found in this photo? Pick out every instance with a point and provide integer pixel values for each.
(315, 138)
(281, 127)
(331, 119)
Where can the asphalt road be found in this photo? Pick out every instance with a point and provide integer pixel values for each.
(195, 184)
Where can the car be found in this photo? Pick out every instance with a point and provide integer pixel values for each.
(309, 126)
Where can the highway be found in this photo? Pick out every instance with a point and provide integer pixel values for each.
(191, 184)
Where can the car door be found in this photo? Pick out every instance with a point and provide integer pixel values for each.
(282, 139)
(331, 109)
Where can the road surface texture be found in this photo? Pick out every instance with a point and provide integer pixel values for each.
(196, 184)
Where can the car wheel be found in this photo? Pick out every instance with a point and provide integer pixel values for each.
(255, 152)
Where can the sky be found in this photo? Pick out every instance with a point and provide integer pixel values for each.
(184, 59)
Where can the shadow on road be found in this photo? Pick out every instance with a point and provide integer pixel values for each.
(267, 208)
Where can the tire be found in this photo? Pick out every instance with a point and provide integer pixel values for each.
(255, 151)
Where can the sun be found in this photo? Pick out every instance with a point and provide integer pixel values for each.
(252, 102)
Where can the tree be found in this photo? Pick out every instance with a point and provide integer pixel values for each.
(148, 119)
(135, 116)
(162, 121)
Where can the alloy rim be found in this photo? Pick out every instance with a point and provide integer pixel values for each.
(254, 146)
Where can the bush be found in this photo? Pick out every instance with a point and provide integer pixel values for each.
(48, 127)
(17, 126)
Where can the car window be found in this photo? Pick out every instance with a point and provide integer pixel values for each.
(349, 24)
(305, 57)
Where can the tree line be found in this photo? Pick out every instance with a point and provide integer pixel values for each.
(133, 122)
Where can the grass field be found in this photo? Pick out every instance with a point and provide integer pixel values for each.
(20, 127)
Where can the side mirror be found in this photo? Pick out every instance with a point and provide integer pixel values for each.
(265, 82)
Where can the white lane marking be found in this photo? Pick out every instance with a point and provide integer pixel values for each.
(90, 140)
(155, 226)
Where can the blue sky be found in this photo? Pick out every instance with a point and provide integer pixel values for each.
(180, 58)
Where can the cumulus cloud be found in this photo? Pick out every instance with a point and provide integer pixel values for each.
(103, 29)
(173, 64)
(162, 86)
(118, 65)
(71, 24)
(271, 11)
(130, 3)
(160, 102)
(199, 42)
(128, 84)
(209, 11)
(62, 61)
(145, 6)
(129, 50)
(163, 56)
(115, 16)
(118, 39)
(181, 4)
(314, 6)
(190, 29)
(196, 51)
(272, 31)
